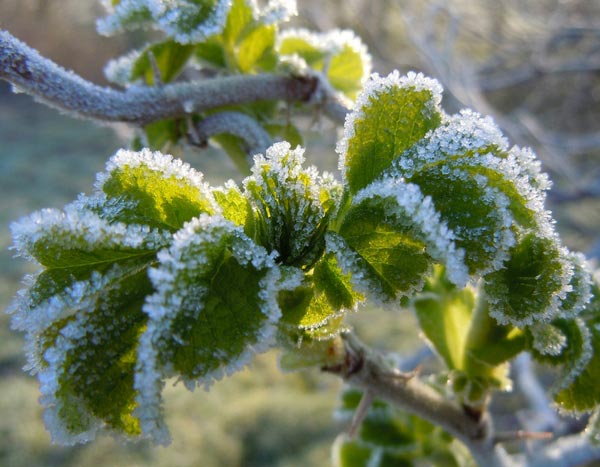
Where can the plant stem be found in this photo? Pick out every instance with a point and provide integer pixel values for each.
(33, 74)
(363, 368)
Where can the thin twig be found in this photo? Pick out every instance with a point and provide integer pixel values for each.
(361, 412)
(520, 435)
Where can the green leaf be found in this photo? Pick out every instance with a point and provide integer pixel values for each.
(85, 306)
(161, 135)
(532, 283)
(200, 326)
(391, 437)
(579, 387)
(390, 115)
(125, 16)
(235, 207)
(474, 212)
(325, 294)
(397, 236)
(184, 21)
(240, 16)
(571, 356)
(329, 280)
(211, 52)
(395, 258)
(469, 144)
(254, 46)
(93, 361)
(170, 58)
(339, 55)
(444, 314)
(153, 189)
(290, 217)
(349, 453)
(578, 298)
(301, 43)
(72, 246)
(346, 71)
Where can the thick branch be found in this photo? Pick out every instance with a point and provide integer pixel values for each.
(33, 74)
(368, 371)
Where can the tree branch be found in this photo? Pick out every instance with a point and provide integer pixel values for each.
(33, 74)
(364, 369)
(568, 451)
(255, 137)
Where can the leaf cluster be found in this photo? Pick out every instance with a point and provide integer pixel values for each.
(157, 275)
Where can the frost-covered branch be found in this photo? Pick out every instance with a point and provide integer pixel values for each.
(256, 138)
(568, 451)
(33, 74)
(541, 417)
(363, 368)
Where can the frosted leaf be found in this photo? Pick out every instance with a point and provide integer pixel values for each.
(576, 390)
(186, 21)
(74, 236)
(291, 205)
(126, 14)
(234, 206)
(532, 284)
(465, 135)
(474, 210)
(472, 143)
(405, 209)
(391, 114)
(315, 306)
(581, 287)
(548, 339)
(579, 352)
(84, 306)
(120, 70)
(151, 188)
(200, 327)
(86, 360)
(275, 11)
(363, 278)
(339, 55)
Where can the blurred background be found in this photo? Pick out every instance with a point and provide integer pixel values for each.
(534, 66)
